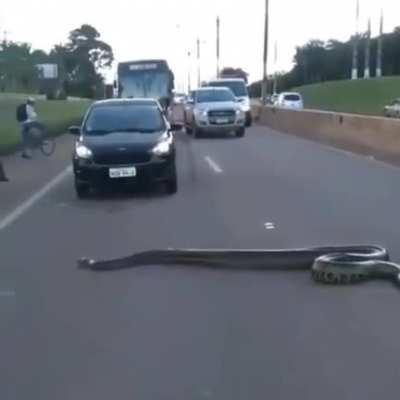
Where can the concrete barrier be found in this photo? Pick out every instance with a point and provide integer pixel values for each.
(372, 136)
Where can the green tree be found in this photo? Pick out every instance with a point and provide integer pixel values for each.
(84, 58)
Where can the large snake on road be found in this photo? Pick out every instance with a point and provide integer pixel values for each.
(331, 265)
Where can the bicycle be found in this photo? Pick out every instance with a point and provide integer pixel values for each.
(39, 138)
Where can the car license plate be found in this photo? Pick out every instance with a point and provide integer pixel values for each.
(122, 172)
(222, 120)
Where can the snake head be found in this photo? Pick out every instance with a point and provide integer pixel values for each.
(85, 263)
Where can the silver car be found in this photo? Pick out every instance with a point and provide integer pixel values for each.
(214, 110)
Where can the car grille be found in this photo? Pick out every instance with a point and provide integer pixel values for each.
(121, 158)
(221, 113)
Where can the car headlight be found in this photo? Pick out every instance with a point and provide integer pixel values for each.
(83, 152)
(201, 113)
(245, 105)
(162, 148)
(239, 112)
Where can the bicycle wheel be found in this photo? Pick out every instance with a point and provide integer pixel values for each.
(47, 146)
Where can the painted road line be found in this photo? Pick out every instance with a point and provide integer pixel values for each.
(269, 226)
(213, 165)
(7, 293)
(27, 204)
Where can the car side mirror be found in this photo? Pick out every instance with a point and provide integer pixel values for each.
(74, 130)
(190, 101)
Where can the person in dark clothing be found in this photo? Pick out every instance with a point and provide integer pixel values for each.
(3, 177)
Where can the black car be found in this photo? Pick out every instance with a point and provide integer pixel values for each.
(124, 140)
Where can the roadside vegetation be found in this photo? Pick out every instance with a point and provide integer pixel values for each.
(56, 115)
(363, 96)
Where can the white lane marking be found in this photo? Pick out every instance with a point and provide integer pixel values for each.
(27, 204)
(7, 293)
(213, 165)
(269, 226)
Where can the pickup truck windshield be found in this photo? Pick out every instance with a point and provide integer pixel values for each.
(238, 88)
(211, 96)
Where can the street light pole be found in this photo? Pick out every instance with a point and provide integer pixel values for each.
(265, 58)
(218, 44)
(189, 68)
(198, 63)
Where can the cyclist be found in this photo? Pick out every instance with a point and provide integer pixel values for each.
(27, 117)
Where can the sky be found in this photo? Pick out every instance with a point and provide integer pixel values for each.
(168, 29)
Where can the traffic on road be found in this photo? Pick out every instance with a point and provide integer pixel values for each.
(207, 240)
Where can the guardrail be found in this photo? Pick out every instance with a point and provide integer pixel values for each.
(373, 136)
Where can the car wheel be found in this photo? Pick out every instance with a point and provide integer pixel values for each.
(82, 190)
(189, 129)
(249, 120)
(196, 132)
(171, 184)
(240, 132)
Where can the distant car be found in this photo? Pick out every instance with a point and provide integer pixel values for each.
(126, 141)
(290, 100)
(239, 89)
(274, 98)
(393, 109)
(179, 98)
(215, 110)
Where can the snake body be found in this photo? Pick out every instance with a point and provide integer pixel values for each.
(331, 265)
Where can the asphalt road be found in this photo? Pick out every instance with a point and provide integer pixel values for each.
(184, 333)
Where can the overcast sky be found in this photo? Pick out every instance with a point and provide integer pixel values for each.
(139, 29)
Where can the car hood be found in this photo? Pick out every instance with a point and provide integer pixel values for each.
(219, 105)
(118, 140)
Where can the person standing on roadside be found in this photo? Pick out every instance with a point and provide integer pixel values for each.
(26, 116)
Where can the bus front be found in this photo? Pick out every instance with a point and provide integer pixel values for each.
(145, 79)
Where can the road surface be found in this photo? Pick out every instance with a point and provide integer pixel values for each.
(184, 333)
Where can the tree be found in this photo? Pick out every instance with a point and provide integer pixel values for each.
(17, 69)
(83, 59)
(85, 44)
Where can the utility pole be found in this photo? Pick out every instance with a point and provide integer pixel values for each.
(198, 63)
(367, 73)
(276, 72)
(354, 71)
(380, 49)
(5, 36)
(218, 44)
(265, 58)
(189, 68)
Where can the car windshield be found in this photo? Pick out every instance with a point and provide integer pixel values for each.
(292, 97)
(124, 118)
(238, 88)
(211, 96)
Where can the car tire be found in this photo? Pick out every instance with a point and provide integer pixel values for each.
(249, 120)
(171, 185)
(82, 190)
(196, 132)
(189, 129)
(240, 132)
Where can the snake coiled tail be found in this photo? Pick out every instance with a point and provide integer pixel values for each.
(332, 265)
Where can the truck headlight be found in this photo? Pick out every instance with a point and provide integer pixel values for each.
(202, 114)
(239, 112)
(83, 152)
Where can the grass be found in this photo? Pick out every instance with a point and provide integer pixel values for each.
(56, 115)
(364, 96)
